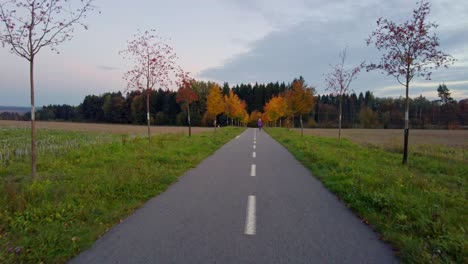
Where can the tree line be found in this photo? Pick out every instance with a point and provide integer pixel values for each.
(362, 110)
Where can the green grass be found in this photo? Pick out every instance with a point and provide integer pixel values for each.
(421, 209)
(83, 190)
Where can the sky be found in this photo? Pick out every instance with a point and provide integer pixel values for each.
(236, 41)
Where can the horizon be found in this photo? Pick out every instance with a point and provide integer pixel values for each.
(124, 94)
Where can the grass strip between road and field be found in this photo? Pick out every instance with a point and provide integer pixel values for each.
(421, 209)
(85, 190)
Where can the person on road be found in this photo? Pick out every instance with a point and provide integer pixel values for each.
(260, 124)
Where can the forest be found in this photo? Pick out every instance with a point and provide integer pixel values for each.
(363, 110)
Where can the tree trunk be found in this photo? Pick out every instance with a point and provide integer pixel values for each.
(189, 123)
(214, 122)
(280, 123)
(339, 120)
(33, 119)
(148, 114)
(405, 148)
(302, 127)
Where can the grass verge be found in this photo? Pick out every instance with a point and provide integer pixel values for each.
(421, 209)
(85, 190)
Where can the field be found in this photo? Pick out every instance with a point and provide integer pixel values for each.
(104, 128)
(391, 137)
(421, 208)
(86, 183)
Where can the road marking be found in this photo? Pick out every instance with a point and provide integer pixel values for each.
(250, 220)
(255, 142)
(253, 170)
(254, 147)
(254, 155)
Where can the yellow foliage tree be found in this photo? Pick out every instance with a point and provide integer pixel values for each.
(234, 107)
(276, 108)
(215, 102)
(300, 100)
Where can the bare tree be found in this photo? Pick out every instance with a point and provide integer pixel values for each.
(26, 26)
(409, 51)
(153, 62)
(339, 80)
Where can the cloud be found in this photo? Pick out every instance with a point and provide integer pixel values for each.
(308, 47)
(107, 68)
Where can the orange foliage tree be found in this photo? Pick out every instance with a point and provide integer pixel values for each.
(234, 106)
(186, 95)
(276, 108)
(215, 103)
(300, 100)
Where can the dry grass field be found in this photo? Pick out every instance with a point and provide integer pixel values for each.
(394, 137)
(104, 128)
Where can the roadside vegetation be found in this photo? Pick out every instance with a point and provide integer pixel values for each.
(85, 184)
(420, 208)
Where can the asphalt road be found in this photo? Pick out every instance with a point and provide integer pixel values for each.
(251, 202)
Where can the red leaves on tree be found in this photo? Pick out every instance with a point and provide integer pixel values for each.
(409, 49)
(185, 95)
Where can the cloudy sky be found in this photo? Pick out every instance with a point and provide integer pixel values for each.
(236, 41)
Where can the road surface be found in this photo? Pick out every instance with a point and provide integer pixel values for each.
(251, 202)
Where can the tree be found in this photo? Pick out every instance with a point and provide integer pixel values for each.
(300, 99)
(448, 108)
(215, 103)
(202, 89)
(27, 26)
(444, 94)
(153, 62)
(368, 118)
(409, 51)
(185, 96)
(234, 106)
(276, 108)
(338, 82)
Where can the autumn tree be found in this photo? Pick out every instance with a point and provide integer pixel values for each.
(215, 103)
(153, 63)
(186, 95)
(242, 114)
(276, 108)
(27, 26)
(338, 82)
(233, 106)
(300, 100)
(409, 50)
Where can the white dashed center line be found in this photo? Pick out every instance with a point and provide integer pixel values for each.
(254, 155)
(253, 170)
(250, 220)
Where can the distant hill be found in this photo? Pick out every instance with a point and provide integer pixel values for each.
(15, 109)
